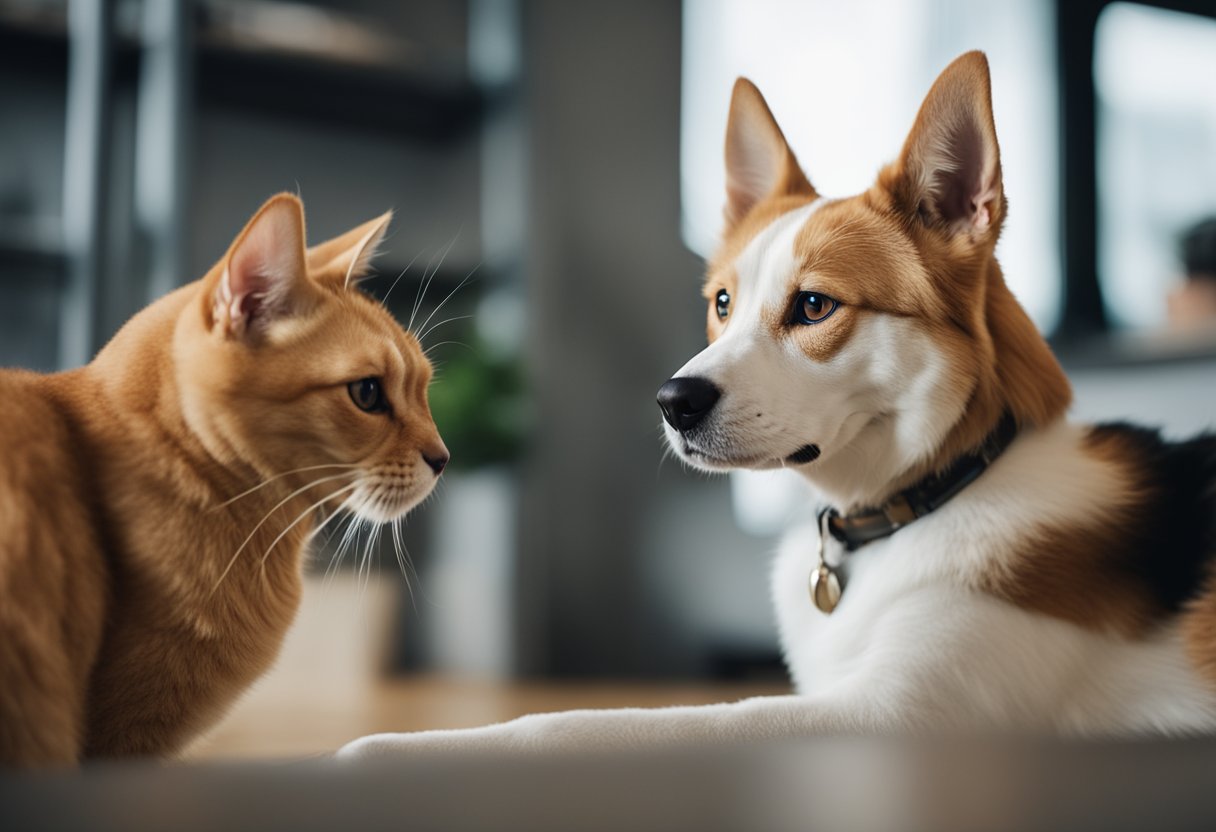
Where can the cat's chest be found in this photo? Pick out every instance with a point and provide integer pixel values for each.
(164, 675)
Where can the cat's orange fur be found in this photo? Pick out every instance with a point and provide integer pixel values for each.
(117, 634)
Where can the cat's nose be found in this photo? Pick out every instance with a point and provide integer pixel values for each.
(438, 460)
(686, 401)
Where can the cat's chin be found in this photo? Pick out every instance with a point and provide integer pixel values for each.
(377, 507)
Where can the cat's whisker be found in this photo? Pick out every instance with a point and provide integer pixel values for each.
(459, 286)
(267, 516)
(408, 266)
(267, 482)
(441, 323)
(324, 526)
(321, 527)
(352, 531)
(370, 557)
(417, 299)
(403, 557)
(428, 280)
(420, 294)
(307, 512)
(427, 351)
(365, 563)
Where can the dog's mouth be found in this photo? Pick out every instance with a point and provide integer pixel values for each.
(724, 462)
(805, 454)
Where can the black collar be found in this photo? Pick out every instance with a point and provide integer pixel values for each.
(867, 525)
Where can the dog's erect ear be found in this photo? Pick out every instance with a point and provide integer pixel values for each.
(348, 256)
(759, 162)
(263, 276)
(949, 172)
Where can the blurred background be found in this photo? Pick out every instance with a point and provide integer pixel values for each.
(555, 169)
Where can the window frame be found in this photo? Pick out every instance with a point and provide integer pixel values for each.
(1083, 332)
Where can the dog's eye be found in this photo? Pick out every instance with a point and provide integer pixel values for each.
(722, 302)
(812, 308)
(368, 395)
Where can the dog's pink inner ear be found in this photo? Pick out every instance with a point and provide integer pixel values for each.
(951, 155)
(963, 184)
(263, 270)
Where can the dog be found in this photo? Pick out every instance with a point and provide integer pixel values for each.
(979, 563)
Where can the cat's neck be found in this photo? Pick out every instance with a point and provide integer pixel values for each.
(157, 483)
(135, 377)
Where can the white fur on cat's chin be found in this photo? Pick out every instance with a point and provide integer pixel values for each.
(379, 502)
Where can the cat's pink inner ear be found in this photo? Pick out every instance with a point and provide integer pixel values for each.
(264, 269)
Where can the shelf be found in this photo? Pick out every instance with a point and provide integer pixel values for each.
(428, 102)
(24, 240)
(431, 108)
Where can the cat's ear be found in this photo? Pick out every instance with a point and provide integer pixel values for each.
(264, 271)
(759, 162)
(949, 173)
(348, 257)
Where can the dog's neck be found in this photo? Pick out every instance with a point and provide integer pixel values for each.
(856, 528)
(1016, 373)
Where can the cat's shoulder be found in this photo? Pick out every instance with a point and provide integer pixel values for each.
(35, 431)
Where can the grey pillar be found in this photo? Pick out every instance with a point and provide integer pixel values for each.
(85, 183)
(613, 309)
(162, 141)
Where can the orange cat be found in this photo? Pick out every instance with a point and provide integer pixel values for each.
(137, 597)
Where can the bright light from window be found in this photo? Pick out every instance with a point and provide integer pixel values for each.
(1155, 73)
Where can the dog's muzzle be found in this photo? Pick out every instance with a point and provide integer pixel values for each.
(686, 402)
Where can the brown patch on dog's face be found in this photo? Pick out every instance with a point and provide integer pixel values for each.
(865, 258)
(862, 261)
(721, 274)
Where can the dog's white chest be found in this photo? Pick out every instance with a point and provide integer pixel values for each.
(823, 649)
(912, 636)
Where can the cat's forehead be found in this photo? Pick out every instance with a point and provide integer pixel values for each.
(378, 329)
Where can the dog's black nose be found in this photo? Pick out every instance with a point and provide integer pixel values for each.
(686, 401)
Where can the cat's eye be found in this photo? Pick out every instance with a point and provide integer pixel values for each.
(722, 304)
(368, 395)
(812, 308)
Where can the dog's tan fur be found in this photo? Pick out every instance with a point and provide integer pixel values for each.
(117, 634)
(889, 250)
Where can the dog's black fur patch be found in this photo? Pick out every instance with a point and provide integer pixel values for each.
(1170, 541)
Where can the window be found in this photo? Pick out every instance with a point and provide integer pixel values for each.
(1154, 74)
